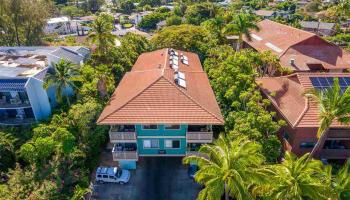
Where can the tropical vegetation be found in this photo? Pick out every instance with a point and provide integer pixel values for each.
(54, 159)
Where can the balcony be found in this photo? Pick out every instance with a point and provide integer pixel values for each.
(199, 134)
(119, 134)
(196, 153)
(335, 149)
(8, 103)
(339, 134)
(192, 150)
(125, 151)
(335, 153)
(16, 121)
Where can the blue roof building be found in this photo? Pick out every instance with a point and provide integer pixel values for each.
(23, 100)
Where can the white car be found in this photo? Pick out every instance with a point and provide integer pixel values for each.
(112, 175)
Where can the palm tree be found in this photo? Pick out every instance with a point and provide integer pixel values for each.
(230, 167)
(63, 78)
(297, 179)
(101, 33)
(333, 105)
(241, 25)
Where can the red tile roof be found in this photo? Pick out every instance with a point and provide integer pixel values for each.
(286, 95)
(304, 47)
(149, 94)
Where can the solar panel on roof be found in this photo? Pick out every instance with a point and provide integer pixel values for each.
(323, 83)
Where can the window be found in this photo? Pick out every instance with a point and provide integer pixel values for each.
(99, 176)
(172, 127)
(105, 176)
(150, 126)
(172, 144)
(151, 144)
(112, 177)
(307, 145)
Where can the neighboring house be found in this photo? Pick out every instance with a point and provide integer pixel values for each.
(297, 49)
(123, 32)
(265, 14)
(319, 28)
(301, 113)
(163, 107)
(59, 25)
(23, 100)
(136, 18)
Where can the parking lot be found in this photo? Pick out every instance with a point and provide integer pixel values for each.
(163, 178)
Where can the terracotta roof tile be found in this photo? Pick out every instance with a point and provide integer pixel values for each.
(149, 94)
(303, 47)
(286, 92)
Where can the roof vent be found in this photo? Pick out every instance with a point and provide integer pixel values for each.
(292, 61)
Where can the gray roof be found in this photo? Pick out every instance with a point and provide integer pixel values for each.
(68, 55)
(314, 25)
(31, 61)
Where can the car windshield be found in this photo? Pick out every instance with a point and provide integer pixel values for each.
(118, 173)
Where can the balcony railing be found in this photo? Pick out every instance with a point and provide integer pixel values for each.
(125, 152)
(16, 121)
(116, 136)
(199, 137)
(340, 134)
(196, 153)
(335, 153)
(125, 155)
(14, 103)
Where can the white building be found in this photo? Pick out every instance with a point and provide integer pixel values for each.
(59, 25)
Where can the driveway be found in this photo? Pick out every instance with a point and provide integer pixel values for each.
(156, 178)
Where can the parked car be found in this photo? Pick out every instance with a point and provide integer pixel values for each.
(112, 175)
(192, 169)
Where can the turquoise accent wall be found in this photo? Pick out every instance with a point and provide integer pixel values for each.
(147, 151)
(127, 164)
(161, 131)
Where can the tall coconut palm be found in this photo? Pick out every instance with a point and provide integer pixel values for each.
(101, 33)
(241, 25)
(230, 168)
(297, 179)
(64, 77)
(333, 106)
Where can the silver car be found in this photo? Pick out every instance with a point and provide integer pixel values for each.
(112, 175)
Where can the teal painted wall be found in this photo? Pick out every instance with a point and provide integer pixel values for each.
(127, 164)
(161, 131)
(180, 151)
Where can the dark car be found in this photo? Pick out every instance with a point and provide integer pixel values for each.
(192, 169)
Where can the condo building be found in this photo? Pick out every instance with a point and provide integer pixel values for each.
(164, 106)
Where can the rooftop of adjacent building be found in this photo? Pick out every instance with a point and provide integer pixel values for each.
(30, 61)
(317, 25)
(287, 95)
(57, 20)
(298, 49)
(164, 86)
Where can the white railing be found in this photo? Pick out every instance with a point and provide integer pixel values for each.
(117, 136)
(125, 155)
(199, 137)
(196, 153)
